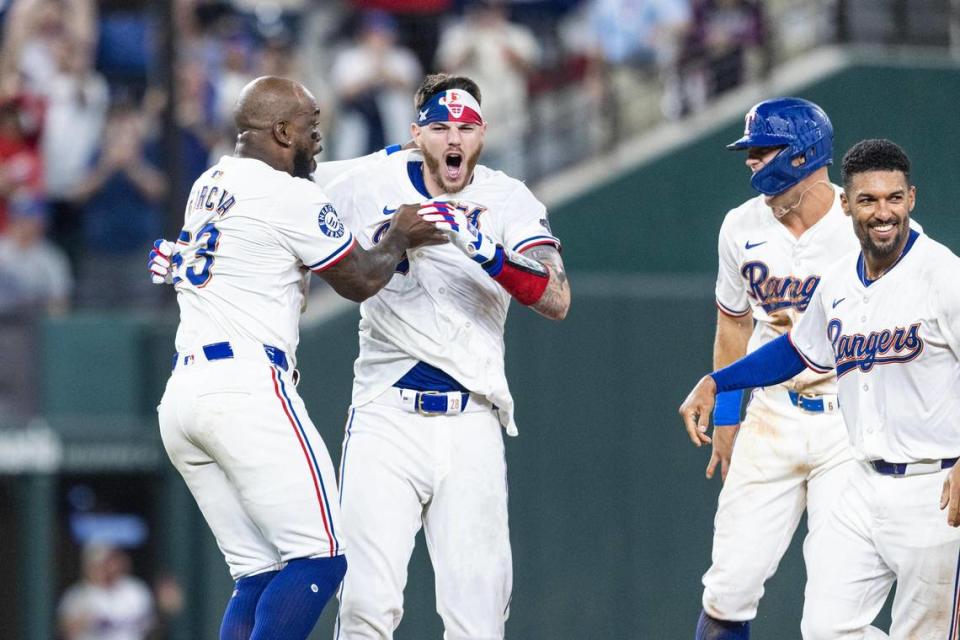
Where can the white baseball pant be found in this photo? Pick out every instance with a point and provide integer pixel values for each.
(400, 471)
(239, 434)
(884, 529)
(785, 460)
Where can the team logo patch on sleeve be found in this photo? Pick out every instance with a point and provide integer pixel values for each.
(330, 223)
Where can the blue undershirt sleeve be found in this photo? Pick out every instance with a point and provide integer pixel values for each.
(771, 364)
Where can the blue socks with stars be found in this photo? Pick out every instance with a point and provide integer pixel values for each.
(712, 629)
(282, 605)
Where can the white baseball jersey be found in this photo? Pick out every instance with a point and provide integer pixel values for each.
(894, 344)
(327, 172)
(251, 235)
(441, 307)
(768, 272)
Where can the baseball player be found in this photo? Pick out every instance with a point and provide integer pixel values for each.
(423, 445)
(791, 450)
(886, 320)
(231, 419)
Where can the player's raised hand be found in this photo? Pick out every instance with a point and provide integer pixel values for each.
(414, 229)
(462, 233)
(696, 410)
(159, 261)
(723, 438)
(950, 496)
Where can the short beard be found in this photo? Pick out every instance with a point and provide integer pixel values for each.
(434, 167)
(882, 253)
(302, 159)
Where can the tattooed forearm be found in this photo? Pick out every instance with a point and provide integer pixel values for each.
(555, 301)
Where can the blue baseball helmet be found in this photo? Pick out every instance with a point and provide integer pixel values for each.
(801, 128)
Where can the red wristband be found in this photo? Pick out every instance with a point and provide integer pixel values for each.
(523, 282)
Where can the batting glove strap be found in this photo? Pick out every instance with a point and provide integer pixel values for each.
(523, 278)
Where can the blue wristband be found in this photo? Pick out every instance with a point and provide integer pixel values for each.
(494, 265)
(726, 411)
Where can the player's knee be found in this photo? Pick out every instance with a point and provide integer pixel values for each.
(731, 605)
(368, 614)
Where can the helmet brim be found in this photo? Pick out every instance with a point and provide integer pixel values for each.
(759, 140)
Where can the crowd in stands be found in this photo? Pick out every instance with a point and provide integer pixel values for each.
(102, 130)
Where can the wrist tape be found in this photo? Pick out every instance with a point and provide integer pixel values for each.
(523, 278)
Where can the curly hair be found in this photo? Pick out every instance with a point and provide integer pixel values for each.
(874, 155)
(437, 82)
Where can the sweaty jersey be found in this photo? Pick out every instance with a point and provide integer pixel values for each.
(768, 272)
(895, 346)
(251, 235)
(441, 307)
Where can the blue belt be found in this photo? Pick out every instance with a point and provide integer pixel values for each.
(223, 351)
(813, 404)
(433, 403)
(904, 468)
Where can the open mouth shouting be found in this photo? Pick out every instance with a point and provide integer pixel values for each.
(453, 166)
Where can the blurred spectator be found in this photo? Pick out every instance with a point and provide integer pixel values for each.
(723, 35)
(77, 101)
(33, 30)
(35, 281)
(499, 56)
(234, 74)
(374, 80)
(21, 171)
(126, 46)
(107, 603)
(418, 23)
(632, 50)
(34, 273)
(121, 197)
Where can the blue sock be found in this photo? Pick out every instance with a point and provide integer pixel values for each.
(239, 616)
(712, 629)
(290, 605)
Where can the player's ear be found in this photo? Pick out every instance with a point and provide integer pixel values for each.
(844, 203)
(415, 133)
(281, 133)
(911, 198)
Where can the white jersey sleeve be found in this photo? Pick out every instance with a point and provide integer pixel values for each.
(526, 224)
(730, 291)
(809, 336)
(313, 231)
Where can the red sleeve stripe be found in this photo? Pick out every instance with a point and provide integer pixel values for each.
(819, 368)
(727, 311)
(336, 256)
(534, 241)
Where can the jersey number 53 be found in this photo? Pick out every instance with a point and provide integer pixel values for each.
(196, 265)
